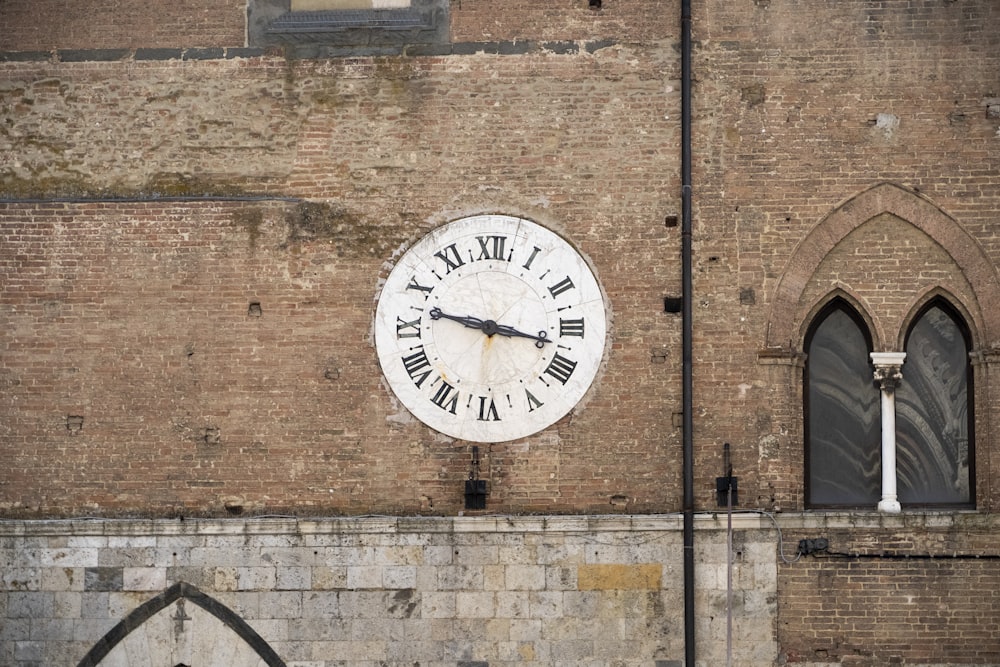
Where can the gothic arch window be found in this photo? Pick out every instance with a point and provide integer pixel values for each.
(841, 411)
(930, 433)
(934, 416)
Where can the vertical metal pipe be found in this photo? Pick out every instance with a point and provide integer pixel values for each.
(727, 464)
(686, 344)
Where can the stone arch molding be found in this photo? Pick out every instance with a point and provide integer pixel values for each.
(788, 314)
(167, 631)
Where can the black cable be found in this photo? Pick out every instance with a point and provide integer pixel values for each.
(900, 556)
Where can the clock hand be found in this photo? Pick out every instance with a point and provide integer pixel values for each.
(489, 327)
(467, 320)
(540, 340)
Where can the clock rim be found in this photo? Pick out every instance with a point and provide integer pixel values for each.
(432, 238)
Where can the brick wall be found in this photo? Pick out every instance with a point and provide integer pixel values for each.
(288, 410)
(186, 356)
(878, 596)
(193, 241)
(792, 128)
(44, 25)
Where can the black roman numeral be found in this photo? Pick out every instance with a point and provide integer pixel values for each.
(415, 366)
(492, 247)
(449, 255)
(445, 399)
(532, 401)
(560, 368)
(534, 253)
(571, 327)
(561, 286)
(487, 410)
(406, 329)
(413, 284)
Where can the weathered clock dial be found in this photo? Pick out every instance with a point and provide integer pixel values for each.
(490, 328)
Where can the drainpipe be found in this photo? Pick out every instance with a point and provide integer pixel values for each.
(687, 389)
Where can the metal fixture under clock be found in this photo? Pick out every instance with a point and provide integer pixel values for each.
(475, 488)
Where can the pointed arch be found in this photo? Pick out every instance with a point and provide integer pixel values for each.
(916, 210)
(841, 410)
(845, 297)
(925, 300)
(935, 457)
(180, 590)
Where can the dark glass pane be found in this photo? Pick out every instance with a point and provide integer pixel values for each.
(844, 420)
(932, 418)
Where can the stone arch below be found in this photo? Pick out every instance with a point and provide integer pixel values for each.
(810, 273)
(182, 626)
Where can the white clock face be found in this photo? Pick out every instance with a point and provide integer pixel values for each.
(490, 328)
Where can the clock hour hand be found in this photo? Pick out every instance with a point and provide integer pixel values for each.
(540, 339)
(489, 327)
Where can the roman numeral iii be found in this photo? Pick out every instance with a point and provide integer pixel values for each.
(560, 368)
(571, 327)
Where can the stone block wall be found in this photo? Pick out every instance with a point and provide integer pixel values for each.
(916, 590)
(368, 591)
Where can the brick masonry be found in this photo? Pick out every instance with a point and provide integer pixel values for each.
(192, 236)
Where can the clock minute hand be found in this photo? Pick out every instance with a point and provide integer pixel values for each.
(489, 327)
(465, 320)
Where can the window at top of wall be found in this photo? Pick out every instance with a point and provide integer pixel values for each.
(317, 28)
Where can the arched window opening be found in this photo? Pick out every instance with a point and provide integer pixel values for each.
(934, 452)
(841, 412)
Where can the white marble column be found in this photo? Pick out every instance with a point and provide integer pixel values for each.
(888, 376)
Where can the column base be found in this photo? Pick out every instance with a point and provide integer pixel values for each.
(889, 506)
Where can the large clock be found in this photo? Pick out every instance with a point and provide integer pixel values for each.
(490, 328)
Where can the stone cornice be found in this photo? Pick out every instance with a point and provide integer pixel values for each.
(707, 521)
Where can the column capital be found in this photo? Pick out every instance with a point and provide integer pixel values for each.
(887, 365)
(888, 358)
